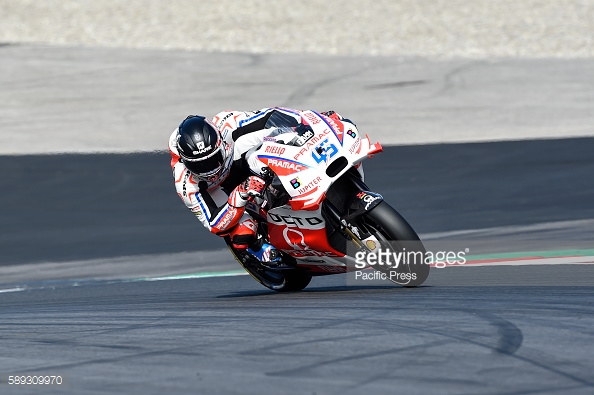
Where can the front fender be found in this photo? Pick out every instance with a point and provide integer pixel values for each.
(363, 202)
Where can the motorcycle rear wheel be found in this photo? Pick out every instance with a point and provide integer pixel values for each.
(288, 280)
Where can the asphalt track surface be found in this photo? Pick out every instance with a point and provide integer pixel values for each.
(469, 330)
(69, 207)
(230, 336)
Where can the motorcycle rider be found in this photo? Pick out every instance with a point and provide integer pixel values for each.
(217, 174)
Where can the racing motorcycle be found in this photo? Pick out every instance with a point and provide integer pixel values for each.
(317, 210)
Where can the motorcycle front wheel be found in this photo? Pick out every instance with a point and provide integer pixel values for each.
(393, 232)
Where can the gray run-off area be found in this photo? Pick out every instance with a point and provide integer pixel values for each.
(64, 99)
(94, 76)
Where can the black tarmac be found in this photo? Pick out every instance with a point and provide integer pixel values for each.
(468, 330)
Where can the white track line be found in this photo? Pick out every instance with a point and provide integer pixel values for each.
(11, 290)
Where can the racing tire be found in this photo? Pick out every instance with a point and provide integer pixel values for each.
(387, 225)
(286, 280)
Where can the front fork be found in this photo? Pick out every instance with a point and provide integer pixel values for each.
(363, 201)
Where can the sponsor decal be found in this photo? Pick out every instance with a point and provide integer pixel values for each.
(273, 149)
(284, 167)
(200, 148)
(299, 141)
(268, 138)
(197, 212)
(337, 128)
(222, 121)
(353, 229)
(331, 269)
(311, 118)
(312, 143)
(355, 147)
(312, 222)
(313, 260)
(226, 220)
(295, 239)
(309, 186)
(295, 183)
(351, 133)
(302, 253)
(368, 199)
(370, 244)
(306, 240)
(185, 182)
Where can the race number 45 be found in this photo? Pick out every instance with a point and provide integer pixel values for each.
(323, 152)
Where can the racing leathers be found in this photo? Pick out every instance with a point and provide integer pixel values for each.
(220, 203)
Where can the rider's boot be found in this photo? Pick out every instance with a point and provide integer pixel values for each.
(268, 256)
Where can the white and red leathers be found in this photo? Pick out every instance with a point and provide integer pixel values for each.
(220, 204)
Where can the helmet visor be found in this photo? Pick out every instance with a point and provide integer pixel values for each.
(206, 167)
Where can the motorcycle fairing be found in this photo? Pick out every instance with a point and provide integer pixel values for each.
(307, 171)
(300, 234)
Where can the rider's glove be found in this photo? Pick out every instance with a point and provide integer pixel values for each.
(251, 188)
